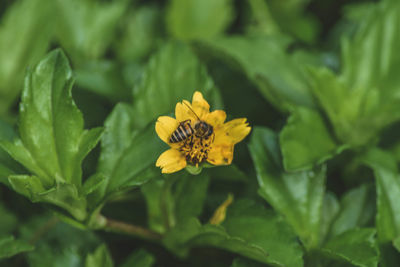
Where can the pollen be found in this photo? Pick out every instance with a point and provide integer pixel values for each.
(195, 149)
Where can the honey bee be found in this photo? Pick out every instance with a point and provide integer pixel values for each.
(185, 130)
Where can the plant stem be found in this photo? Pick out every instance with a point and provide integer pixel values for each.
(130, 229)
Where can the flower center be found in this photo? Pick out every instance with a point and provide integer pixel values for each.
(195, 149)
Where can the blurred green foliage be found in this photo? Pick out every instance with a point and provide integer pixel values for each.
(316, 183)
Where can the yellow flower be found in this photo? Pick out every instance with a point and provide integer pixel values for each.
(215, 146)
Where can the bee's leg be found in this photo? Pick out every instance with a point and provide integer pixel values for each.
(213, 137)
(201, 142)
(190, 140)
(186, 141)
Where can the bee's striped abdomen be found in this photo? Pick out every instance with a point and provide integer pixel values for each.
(183, 131)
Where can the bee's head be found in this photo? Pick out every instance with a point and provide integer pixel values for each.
(202, 129)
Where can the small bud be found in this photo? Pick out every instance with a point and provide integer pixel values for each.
(220, 212)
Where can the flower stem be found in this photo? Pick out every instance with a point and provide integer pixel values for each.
(130, 229)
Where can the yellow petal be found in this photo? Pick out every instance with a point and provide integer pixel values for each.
(200, 105)
(183, 112)
(220, 212)
(215, 118)
(171, 161)
(236, 130)
(220, 154)
(165, 126)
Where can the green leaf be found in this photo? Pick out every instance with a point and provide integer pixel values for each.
(248, 230)
(74, 222)
(261, 21)
(198, 19)
(133, 74)
(6, 131)
(86, 28)
(340, 104)
(104, 78)
(191, 233)
(258, 226)
(299, 196)
(152, 192)
(172, 74)
(25, 34)
(22, 155)
(243, 262)
(388, 193)
(330, 210)
(60, 245)
(372, 54)
(189, 195)
(283, 83)
(26, 185)
(100, 258)
(63, 195)
(92, 183)
(294, 20)
(357, 209)
(305, 140)
(4, 173)
(128, 156)
(8, 166)
(364, 98)
(174, 199)
(10, 247)
(389, 255)
(141, 33)
(228, 173)
(118, 135)
(356, 246)
(357, 114)
(140, 258)
(396, 243)
(8, 221)
(53, 142)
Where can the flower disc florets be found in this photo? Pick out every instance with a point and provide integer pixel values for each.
(195, 149)
(191, 144)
